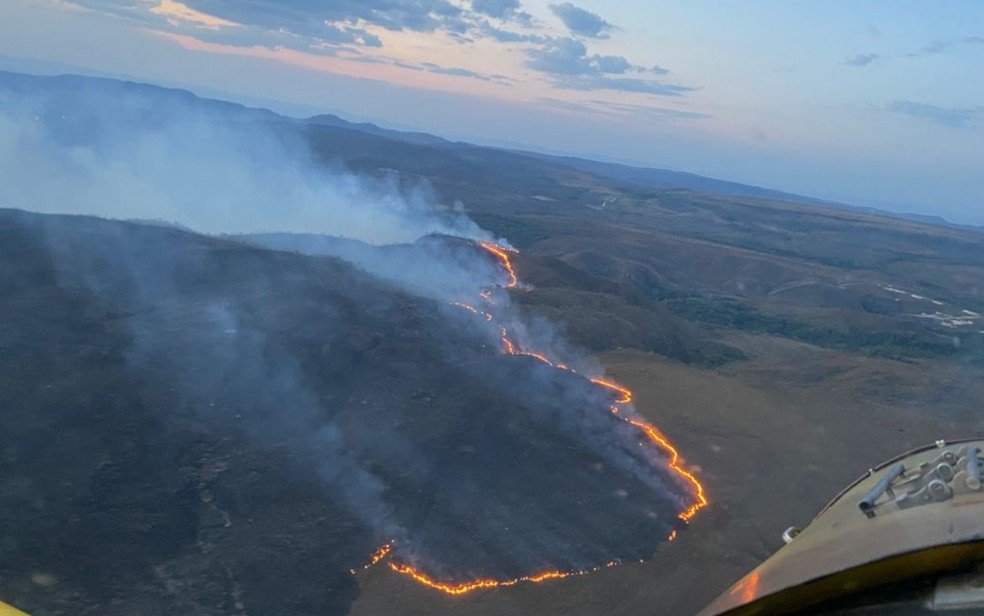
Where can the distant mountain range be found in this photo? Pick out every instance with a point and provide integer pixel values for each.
(214, 425)
(646, 177)
(643, 177)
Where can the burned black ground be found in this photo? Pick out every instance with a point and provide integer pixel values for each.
(199, 423)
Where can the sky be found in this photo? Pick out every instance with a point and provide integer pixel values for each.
(874, 102)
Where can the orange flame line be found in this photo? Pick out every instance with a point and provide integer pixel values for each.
(657, 437)
(482, 583)
(467, 587)
(654, 435)
(511, 348)
(507, 344)
(467, 307)
(625, 397)
(380, 553)
(487, 583)
(612, 385)
(473, 310)
(539, 357)
(502, 254)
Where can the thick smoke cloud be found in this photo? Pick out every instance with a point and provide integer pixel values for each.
(128, 158)
(314, 359)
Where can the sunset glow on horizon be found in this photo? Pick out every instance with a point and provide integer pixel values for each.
(823, 99)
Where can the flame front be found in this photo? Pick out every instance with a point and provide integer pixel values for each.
(380, 553)
(700, 499)
(467, 587)
(501, 253)
(654, 436)
(626, 394)
(624, 397)
(473, 310)
(487, 583)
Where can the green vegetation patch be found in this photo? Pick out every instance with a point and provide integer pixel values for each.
(737, 314)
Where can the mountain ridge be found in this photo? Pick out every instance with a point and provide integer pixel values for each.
(642, 176)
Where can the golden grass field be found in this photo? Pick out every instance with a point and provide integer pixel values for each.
(772, 438)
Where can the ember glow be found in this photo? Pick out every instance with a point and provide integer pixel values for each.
(623, 397)
(381, 553)
(700, 499)
(473, 310)
(463, 588)
(511, 348)
(502, 254)
(467, 587)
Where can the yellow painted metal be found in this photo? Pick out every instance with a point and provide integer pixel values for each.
(9, 610)
(842, 551)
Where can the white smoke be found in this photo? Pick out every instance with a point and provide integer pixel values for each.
(222, 173)
(191, 168)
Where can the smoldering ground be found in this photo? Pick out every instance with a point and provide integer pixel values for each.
(403, 407)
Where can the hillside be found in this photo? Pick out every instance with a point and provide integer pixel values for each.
(407, 144)
(784, 345)
(198, 424)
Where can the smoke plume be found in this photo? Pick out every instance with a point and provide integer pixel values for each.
(474, 463)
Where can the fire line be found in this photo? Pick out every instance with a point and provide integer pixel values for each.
(653, 435)
(502, 254)
(467, 587)
(625, 397)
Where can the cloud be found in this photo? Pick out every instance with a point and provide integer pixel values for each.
(943, 116)
(607, 108)
(328, 43)
(651, 112)
(432, 67)
(457, 72)
(506, 10)
(496, 8)
(349, 28)
(404, 65)
(309, 17)
(567, 56)
(567, 62)
(943, 45)
(306, 25)
(862, 59)
(624, 84)
(580, 21)
(176, 12)
(318, 27)
(508, 36)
